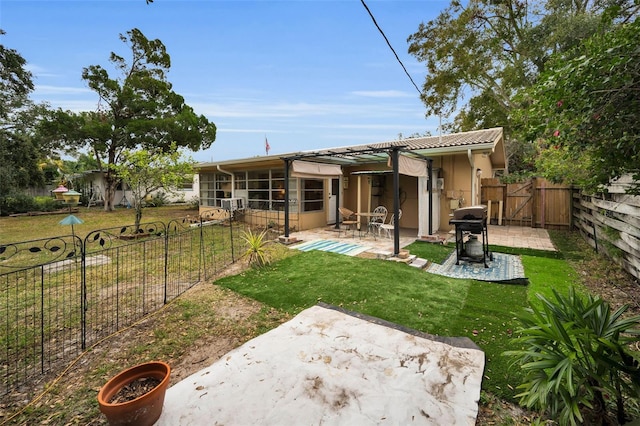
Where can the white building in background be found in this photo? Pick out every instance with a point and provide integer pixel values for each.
(92, 183)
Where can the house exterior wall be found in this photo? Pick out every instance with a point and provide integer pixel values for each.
(457, 185)
(456, 175)
(271, 208)
(459, 178)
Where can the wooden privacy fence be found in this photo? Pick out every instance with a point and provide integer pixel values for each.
(610, 223)
(536, 203)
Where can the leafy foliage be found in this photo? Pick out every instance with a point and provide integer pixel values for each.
(20, 149)
(146, 171)
(575, 359)
(584, 112)
(15, 81)
(487, 51)
(138, 109)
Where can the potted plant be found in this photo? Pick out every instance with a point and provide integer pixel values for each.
(135, 396)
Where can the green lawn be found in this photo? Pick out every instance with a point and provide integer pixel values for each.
(395, 292)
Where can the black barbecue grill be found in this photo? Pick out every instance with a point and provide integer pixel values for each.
(471, 220)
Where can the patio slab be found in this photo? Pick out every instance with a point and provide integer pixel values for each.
(331, 366)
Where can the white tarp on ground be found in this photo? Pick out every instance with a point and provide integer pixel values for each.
(328, 367)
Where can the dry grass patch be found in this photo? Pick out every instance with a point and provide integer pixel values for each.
(190, 333)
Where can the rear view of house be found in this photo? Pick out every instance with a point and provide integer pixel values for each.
(429, 178)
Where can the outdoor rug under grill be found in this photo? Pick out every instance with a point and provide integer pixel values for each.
(504, 268)
(333, 246)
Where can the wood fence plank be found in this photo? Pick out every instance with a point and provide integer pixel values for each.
(614, 221)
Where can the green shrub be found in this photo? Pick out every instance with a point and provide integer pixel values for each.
(158, 199)
(46, 204)
(256, 252)
(17, 203)
(574, 353)
(194, 203)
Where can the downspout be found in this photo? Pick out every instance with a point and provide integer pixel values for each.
(473, 176)
(233, 184)
(286, 199)
(337, 225)
(430, 192)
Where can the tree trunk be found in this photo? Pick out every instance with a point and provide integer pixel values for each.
(109, 194)
(138, 216)
(111, 183)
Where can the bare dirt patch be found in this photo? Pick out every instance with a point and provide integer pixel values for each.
(189, 334)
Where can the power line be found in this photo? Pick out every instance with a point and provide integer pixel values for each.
(390, 47)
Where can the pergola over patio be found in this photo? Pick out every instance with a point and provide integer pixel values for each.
(349, 156)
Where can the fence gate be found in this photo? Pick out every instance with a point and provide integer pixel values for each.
(535, 203)
(519, 204)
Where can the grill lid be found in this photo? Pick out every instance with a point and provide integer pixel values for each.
(471, 212)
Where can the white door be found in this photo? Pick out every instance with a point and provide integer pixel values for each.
(334, 187)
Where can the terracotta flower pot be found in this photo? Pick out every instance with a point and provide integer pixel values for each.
(145, 409)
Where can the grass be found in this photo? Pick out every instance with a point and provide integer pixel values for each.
(191, 321)
(23, 228)
(435, 253)
(481, 311)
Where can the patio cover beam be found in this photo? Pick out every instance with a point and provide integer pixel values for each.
(345, 156)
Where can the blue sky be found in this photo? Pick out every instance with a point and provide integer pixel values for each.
(304, 74)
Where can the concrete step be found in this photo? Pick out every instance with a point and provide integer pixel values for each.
(406, 260)
(419, 263)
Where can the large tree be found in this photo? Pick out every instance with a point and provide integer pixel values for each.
(584, 112)
(136, 109)
(20, 150)
(487, 51)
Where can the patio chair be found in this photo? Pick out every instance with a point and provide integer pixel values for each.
(348, 219)
(380, 217)
(388, 227)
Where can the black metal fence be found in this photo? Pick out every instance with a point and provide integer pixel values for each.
(59, 296)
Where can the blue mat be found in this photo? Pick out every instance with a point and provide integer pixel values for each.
(332, 246)
(504, 268)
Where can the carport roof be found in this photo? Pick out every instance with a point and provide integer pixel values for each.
(480, 140)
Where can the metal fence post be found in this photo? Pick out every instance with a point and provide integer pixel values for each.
(83, 293)
(233, 257)
(166, 264)
(42, 318)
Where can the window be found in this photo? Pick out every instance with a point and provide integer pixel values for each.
(213, 188)
(312, 195)
(258, 184)
(187, 184)
(263, 189)
(240, 180)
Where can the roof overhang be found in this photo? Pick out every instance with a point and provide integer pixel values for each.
(489, 141)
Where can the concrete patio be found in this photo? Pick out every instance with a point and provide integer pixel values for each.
(380, 246)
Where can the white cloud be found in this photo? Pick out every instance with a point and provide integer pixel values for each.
(259, 109)
(39, 71)
(42, 90)
(383, 94)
